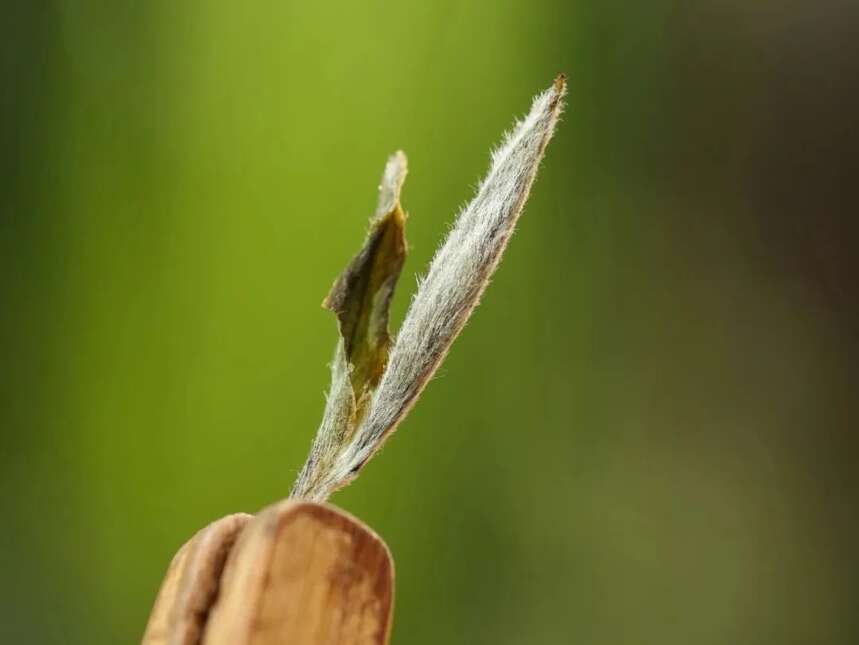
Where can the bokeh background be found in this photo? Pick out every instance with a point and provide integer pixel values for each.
(645, 435)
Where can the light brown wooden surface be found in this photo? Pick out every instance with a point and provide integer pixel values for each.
(191, 584)
(298, 573)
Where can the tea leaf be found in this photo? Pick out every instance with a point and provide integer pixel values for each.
(457, 277)
(360, 298)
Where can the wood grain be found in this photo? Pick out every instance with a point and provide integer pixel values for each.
(296, 573)
(191, 584)
(304, 573)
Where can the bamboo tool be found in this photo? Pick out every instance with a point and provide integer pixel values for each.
(305, 573)
(299, 573)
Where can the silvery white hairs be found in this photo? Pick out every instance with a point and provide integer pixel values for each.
(362, 411)
(354, 295)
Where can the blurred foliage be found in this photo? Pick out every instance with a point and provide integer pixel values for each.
(661, 452)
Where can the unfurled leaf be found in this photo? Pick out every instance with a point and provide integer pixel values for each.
(361, 296)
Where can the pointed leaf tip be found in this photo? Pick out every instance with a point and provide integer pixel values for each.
(361, 295)
(392, 183)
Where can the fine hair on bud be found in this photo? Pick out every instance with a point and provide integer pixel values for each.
(376, 380)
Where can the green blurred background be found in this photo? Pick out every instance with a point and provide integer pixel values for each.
(643, 436)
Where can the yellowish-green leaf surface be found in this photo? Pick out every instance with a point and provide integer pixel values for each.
(361, 299)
